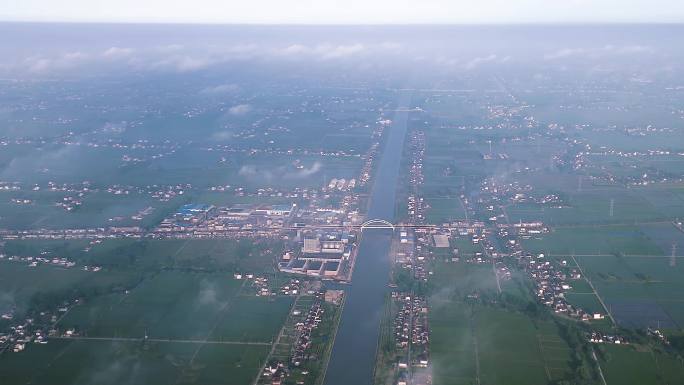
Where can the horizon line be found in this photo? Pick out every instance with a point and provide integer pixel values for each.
(315, 24)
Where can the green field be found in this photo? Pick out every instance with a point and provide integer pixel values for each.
(26, 288)
(443, 210)
(178, 293)
(99, 209)
(143, 363)
(507, 346)
(510, 348)
(628, 365)
(644, 291)
(222, 254)
(579, 240)
(177, 305)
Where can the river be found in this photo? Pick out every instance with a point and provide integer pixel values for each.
(353, 355)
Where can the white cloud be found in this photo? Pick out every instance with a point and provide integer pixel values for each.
(476, 62)
(251, 172)
(340, 51)
(323, 51)
(597, 52)
(117, 52)
(179, 58)
(240, 109)
(629, 49)
(304, 172)
(177, 63)
(41, 64)
(564, 52)
(294, 49)
(221, 89)
(268, 175)
(222, 136)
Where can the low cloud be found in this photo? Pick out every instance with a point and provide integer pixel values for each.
(304, 172)
(332, 51)
(597, 52)
(251, 172)
(221, 89)
(478, 61)
(340, 51)
(117, 52)
(564, 52)
(42, 64)
(240, 109)
(268, 175)
(181, 59)
(222, 136)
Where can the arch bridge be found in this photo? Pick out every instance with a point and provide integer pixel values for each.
(377, 224)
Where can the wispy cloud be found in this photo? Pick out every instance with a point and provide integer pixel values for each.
(598, 52)
(117, 52)
(221, 89)
(304, 172)
(478, 61)
(42, 64)
(240, 109)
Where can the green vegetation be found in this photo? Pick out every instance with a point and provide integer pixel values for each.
(178, 293)
(30, 289)
(580, 240)
(502, 339)
(211, 254)
(178, 305)
(632, 365)
(141, 362)
(443, 210)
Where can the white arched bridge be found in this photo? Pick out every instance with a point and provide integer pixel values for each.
(377, 224)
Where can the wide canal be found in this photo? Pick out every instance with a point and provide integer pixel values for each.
(353, 354)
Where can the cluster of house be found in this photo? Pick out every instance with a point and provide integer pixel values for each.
(304, 328)
(367, 168)
(291, 287)
(260, 285)
(19, 334)
(162, 193)
(411, 328)
(305, 322)
(275, 372)
(416, 208)
(547, 199)
(477, 236)
(415, 201)
(524, 230)
(369, 157)
(551, 283)
(650, 175)
(54, 261)
(321, 254)
(266, 192)
(70, 203)
(411, 253)
(658, 334)
(166, 193)
(600, 338)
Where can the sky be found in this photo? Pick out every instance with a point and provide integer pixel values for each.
(345, 11)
